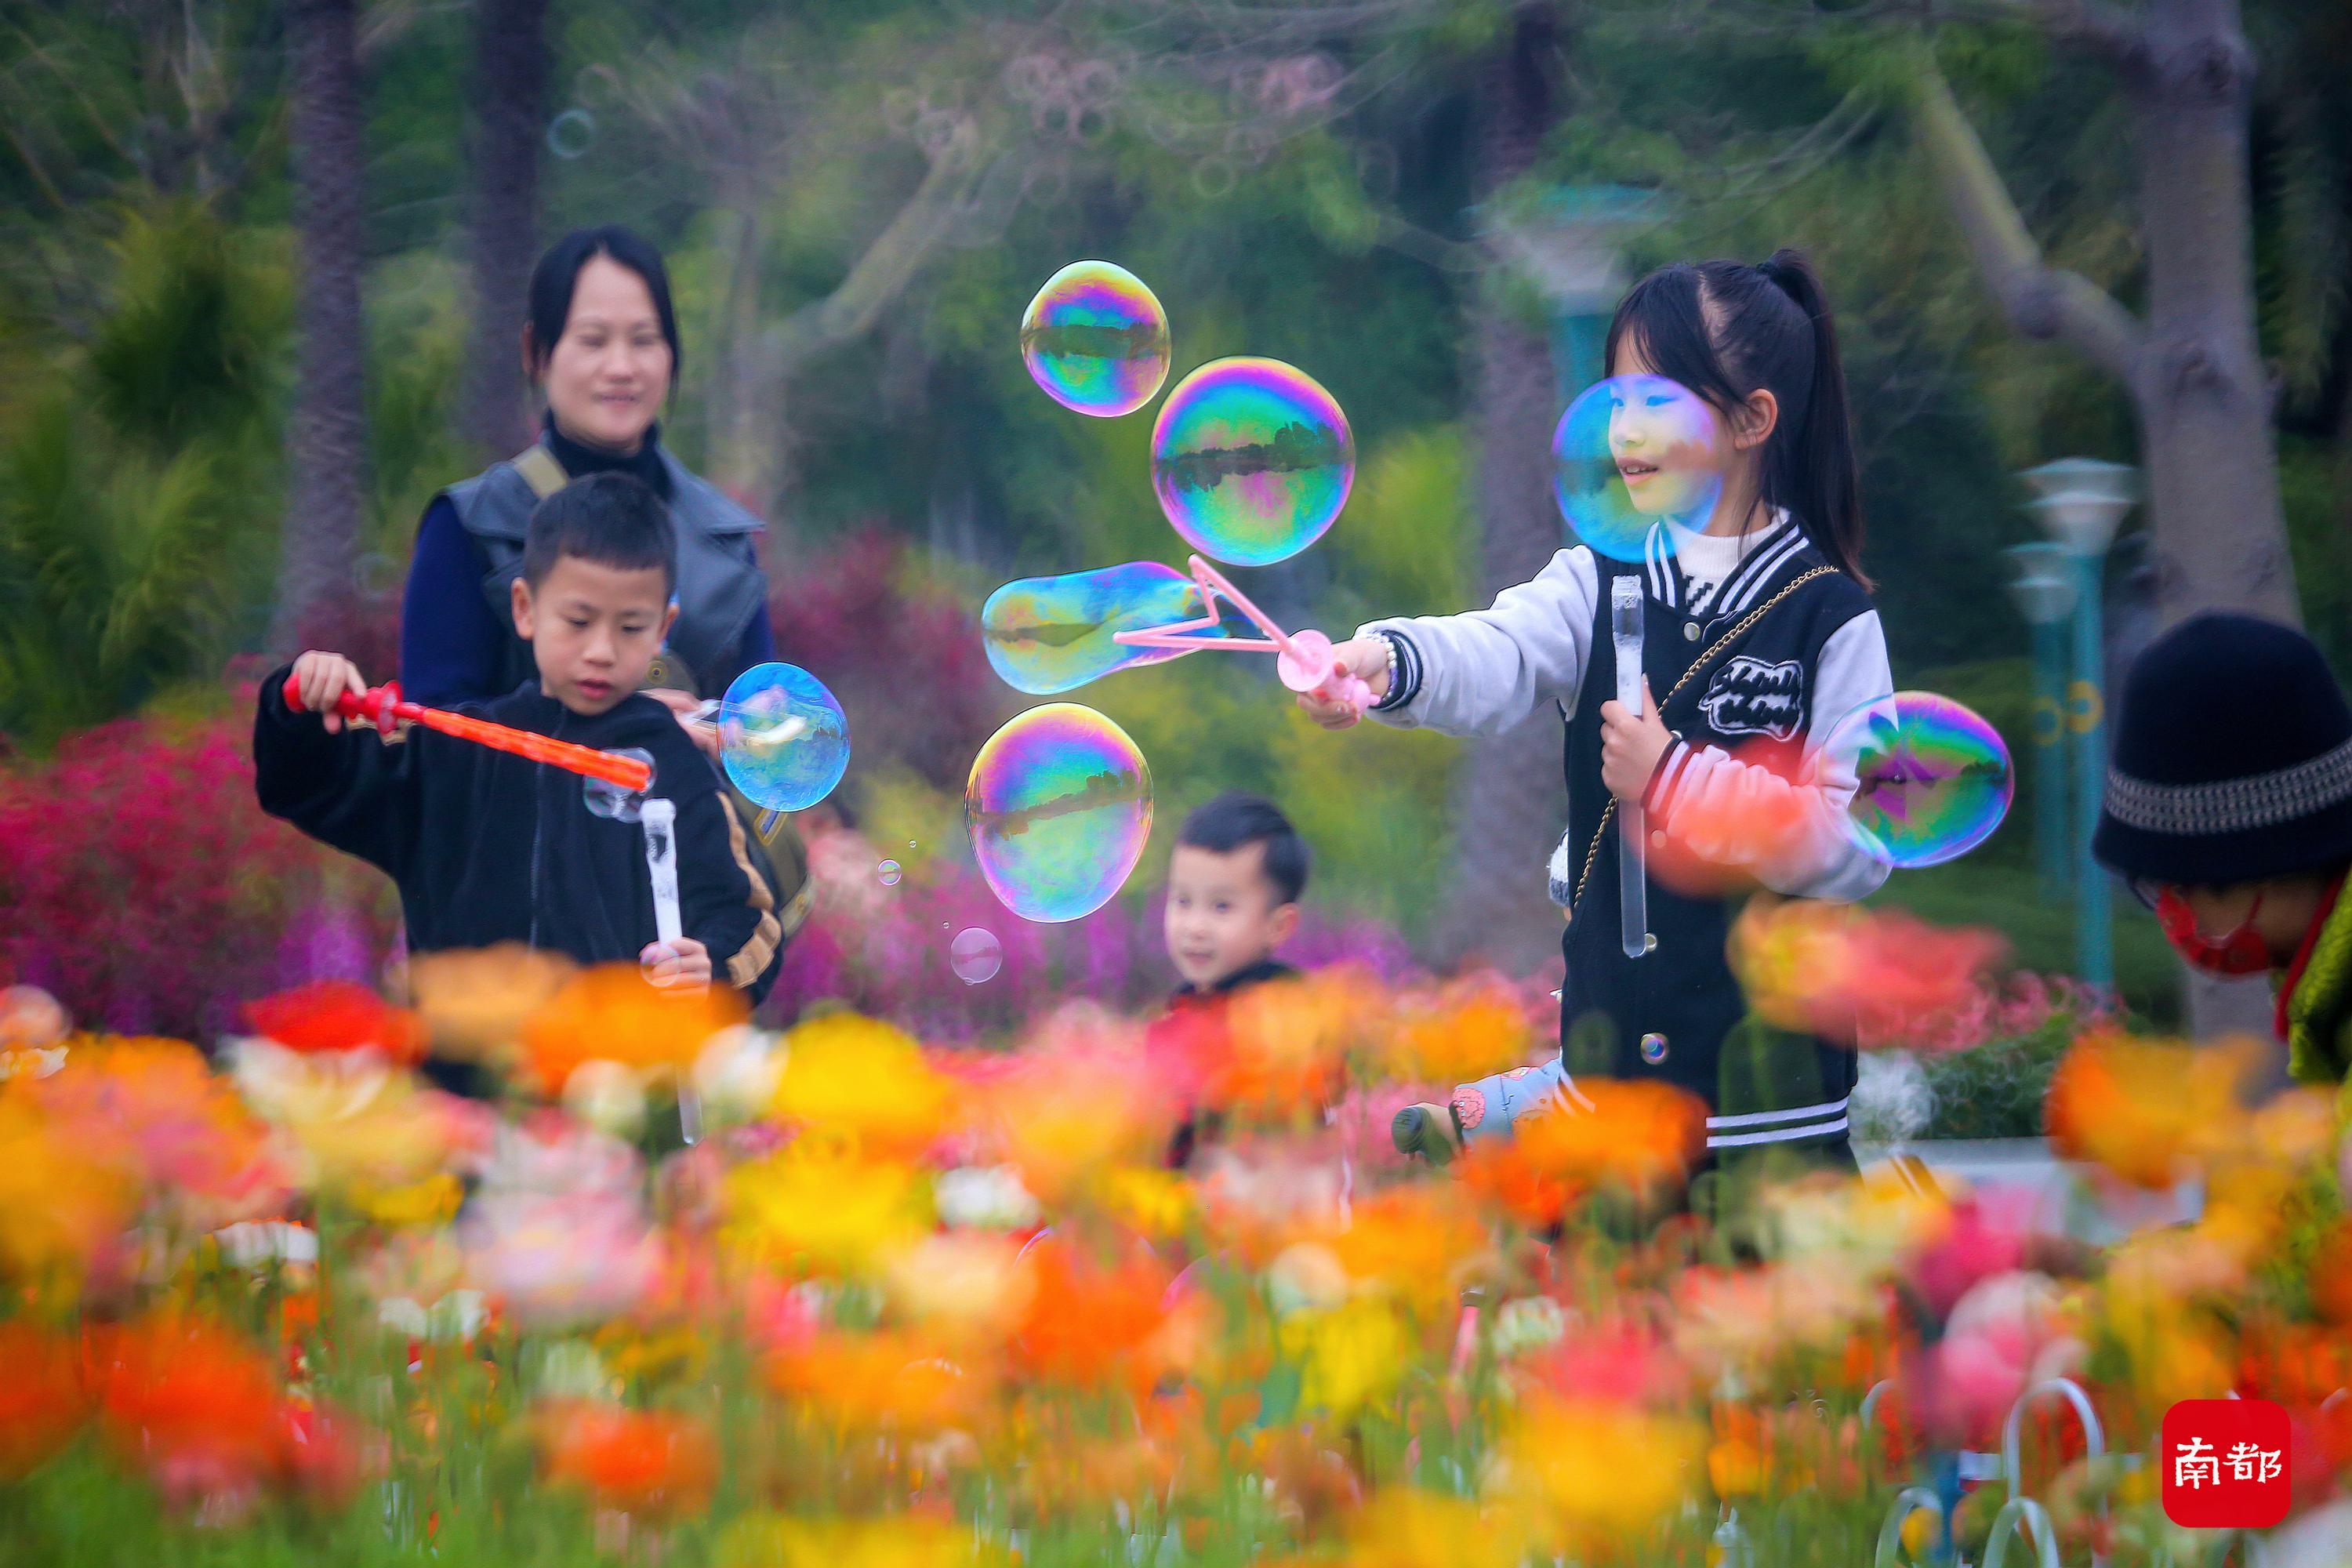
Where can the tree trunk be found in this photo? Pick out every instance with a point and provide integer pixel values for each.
(1509, 804)
(326, 438)
(2203, 396)
(511, 70)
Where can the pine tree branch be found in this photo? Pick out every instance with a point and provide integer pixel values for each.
(2042, 302)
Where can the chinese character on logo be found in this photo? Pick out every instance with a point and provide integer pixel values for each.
(2224, 1464)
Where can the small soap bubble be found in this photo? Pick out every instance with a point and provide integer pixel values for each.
(783, 738)
(571, 133)
(1932, 779)
(888, 872)
(1058, 806)
(1096, 340)
(1048, 634)
(1252, 459)
(1634, 452)
(975, 955)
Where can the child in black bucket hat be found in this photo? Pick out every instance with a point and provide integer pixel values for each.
(2238, 835)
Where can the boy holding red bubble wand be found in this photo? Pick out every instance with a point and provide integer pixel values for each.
(488, 845)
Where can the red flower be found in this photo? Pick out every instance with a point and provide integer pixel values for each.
(338, 1015)
(191, 1403)
(633, 1461)
(42, 1401)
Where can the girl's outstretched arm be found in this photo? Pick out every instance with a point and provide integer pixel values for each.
(1790, 834)
(1480, 673)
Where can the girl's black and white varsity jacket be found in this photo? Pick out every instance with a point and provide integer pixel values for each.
(1815, 656)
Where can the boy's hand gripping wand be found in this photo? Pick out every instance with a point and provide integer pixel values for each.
(1303, 659)
(1633, 853)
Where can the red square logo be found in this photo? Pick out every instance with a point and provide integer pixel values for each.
(2225, 1464)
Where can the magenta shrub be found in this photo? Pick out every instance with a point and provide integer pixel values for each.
(905, 659)
(143, 887)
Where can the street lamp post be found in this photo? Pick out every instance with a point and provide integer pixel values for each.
(2079, 503)
(2044, 591)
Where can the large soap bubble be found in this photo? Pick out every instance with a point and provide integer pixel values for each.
(783, 739)
(1054, 633)
(1251, 460)
(1932, 780)
(1058, 806)
(1631, 452)
(1095, 338)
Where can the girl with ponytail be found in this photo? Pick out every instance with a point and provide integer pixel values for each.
(1758, 636)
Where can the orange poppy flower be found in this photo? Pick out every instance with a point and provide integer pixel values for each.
(650, 1462)
(338, 1015)
(1287, 1045)
(474, 1002)
(1641, 1137)
(1090, 1323)
(2148, 1111)
(1465, 1029)
(614, 1014)
(888, 1380)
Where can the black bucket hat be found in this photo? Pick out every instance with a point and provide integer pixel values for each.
(2233, 759)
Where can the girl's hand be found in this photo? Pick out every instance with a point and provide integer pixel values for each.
(703, 733)
(323, 679)
(684, 963)
(1631, 747)
(1366, 659)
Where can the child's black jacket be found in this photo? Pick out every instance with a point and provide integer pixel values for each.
(488, 847)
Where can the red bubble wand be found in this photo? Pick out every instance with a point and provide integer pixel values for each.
(1303, 659)
(382, 706)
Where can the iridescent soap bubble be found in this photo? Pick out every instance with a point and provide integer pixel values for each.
(975, 955)
(1932, 780)
(888, 873)
(1095, 338)
(1251, 460)
(1053, 633)
(1632, 452)
(1058, 807)
(783, 739)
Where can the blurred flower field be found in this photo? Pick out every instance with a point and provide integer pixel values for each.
(908, 1302)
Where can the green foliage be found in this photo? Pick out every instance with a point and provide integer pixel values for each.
(129, 490)
(1996, 1090)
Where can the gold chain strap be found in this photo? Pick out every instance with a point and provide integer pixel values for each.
(1593, 850)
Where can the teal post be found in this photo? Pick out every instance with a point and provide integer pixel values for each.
(2086, 716)
(2051, 820)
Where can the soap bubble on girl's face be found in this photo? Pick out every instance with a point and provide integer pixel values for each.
(1932, 779)
(1096, 340)
(1058, 806)
(1252, 459)
(975, 955)
(1046, 635)
(783, 737)
(1633, 451)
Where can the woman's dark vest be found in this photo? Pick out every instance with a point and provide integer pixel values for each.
(720, 584)
(1677, 1014)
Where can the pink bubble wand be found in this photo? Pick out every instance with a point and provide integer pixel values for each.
(1303, 659)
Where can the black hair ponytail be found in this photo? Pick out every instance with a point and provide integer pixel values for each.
(1725, 330)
